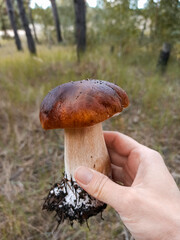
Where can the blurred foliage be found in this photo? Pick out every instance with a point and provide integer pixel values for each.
(44, 18)
(165, 20)
(4, 22)
(119, 23)
(67, 18)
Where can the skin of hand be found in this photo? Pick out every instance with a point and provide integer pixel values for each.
(148, 202)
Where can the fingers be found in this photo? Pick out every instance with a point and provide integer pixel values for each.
(120, 143)
(101, 187)
(124, 152)
(117, 159)
(121, 176)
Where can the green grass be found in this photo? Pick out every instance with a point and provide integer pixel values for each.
(30, 157)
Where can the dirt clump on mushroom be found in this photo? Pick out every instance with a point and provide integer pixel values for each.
(71, 202)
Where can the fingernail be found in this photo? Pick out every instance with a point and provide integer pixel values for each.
(83, 175)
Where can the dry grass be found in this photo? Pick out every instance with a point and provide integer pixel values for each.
(30, 157)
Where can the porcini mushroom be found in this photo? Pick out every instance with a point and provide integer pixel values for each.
(80, 107)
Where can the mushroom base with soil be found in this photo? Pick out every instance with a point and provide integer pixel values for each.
(71, 202)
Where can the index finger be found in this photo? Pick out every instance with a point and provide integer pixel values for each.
(120, 143)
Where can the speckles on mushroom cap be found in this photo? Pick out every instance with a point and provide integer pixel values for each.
(81, 104)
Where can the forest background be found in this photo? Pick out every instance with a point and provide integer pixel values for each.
(138, 49)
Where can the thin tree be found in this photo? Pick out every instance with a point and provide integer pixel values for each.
(32, 21)
(10, 11)
(80, 24)
(30, 40)
(56, 20)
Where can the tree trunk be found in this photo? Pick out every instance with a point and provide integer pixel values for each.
(142, 33)
(10, 11)
(56, 20)
(32, 22)
(30, 41)
(164, 57)
(80, 23)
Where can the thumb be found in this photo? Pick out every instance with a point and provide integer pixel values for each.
(102, 188)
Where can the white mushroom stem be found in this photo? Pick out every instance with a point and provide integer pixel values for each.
(86, 147)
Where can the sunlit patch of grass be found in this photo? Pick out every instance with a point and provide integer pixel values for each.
(25, 77)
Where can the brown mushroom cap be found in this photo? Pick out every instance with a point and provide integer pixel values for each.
(81, 104)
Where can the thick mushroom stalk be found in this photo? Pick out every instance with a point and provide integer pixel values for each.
(80, 107)
(83, 147)
(86, 147)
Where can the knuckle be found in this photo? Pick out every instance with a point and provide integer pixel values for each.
(137, 153)
(99, 185)
(156, 156)
(146, 153)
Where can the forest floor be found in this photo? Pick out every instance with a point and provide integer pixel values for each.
(31, 158)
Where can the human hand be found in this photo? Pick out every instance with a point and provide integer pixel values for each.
(149, 201)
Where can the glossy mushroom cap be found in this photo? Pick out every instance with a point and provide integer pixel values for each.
(81, 104)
